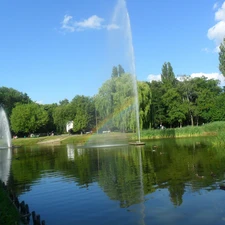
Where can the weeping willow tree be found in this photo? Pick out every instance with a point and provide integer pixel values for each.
(115, 103)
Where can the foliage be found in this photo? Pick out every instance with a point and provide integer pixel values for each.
(167, 75)
(9, 97)
(222, 57)
(169, 102)
(114, 72)
(28, 118)
(115, 103)
(188, 131)
(84, 109)
(117, 71)
(189, 101)
(218, 108)
(144, 99)
(61, 115)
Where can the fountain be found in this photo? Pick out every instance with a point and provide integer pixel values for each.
(122, 19)
(5, 135)
(5, 144)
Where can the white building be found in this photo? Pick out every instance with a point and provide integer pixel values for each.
(69, 126)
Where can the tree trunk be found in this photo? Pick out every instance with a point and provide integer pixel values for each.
(192, 120)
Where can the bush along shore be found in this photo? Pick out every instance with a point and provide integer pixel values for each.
(13, 212)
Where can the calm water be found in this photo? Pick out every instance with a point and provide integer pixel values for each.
(164, 182)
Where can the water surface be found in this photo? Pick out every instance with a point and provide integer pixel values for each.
(163, 182)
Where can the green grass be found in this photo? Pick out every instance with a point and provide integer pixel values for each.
(8, 212)
(211, 129)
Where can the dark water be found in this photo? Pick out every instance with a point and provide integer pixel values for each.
(164, 182)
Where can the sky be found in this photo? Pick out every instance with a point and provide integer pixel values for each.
(57, 49)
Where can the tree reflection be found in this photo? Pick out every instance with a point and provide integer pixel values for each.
(125, 174)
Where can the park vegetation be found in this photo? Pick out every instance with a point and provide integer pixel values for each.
(173, 102)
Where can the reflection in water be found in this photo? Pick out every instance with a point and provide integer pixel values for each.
(5, 164)
(145, 182)
(70, 151)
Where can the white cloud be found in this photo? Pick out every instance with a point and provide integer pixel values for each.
(206, 50)
(40, 102)
(112, 26)
(220, 13)
(152, 77)
(93, 22)
(217, 32)
(215, 6)
(67, 24)
(215, 76)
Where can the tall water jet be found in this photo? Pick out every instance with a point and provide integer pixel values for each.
(121, 19)
(5, 134)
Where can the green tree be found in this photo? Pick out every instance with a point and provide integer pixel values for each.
(187, 90)
(176, 108)
(64, 102)
(167, 75)
(84, 119)
(120, 70)
(218, 108)
(28, 118)
(207, 90)
(222, 57)
(50, 126)
(80, 122)
(61, 115)
(157, 108)
(117, 104)
(144, 97)
(114, 72)
(9, 97)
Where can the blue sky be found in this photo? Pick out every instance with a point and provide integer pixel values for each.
(57, 49)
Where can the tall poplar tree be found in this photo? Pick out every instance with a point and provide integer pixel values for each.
(222, 57)
(120, 70)
(114, 72)
(167, 75)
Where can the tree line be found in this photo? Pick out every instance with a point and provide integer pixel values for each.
(171, 102)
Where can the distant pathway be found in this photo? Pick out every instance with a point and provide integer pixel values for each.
(54, 140)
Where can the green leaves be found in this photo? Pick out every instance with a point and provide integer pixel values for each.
(84, 109)
(9, 97)
(115, 103)
(222, 57)
(27, 118)
(167, 76)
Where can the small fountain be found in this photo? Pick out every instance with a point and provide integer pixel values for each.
(5, 147)
(5, 135)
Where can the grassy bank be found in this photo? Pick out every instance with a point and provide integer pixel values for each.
(8, 212)
(72, 139)
(212, 129)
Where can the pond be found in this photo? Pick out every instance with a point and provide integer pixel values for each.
(164, 182)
